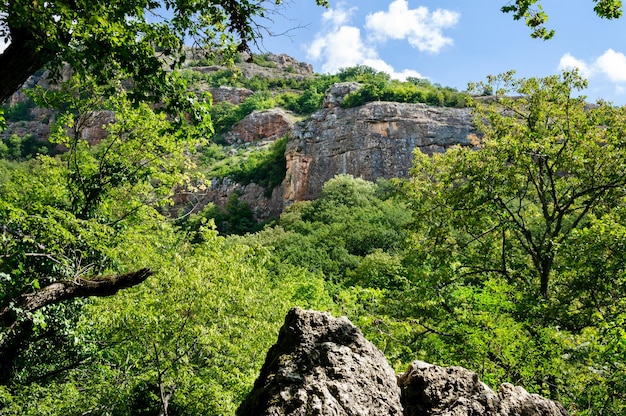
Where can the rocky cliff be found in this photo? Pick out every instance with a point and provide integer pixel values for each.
(376, 140)
(322, 365)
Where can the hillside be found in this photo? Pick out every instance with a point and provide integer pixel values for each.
(136, 278)
(268, 98)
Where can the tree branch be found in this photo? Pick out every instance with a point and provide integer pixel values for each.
(78, 288)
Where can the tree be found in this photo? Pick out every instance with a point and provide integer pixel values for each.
(126, 39)
(520, 242)
(62, 217)
(548, 163)
(536, 18)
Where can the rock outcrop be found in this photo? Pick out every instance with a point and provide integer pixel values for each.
(262, 125)
(322, 365)
(233, 95)
(376, 140)
(436, 391)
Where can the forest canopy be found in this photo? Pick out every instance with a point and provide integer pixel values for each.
(507, 259)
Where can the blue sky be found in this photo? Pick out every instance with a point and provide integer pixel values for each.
(453, 42)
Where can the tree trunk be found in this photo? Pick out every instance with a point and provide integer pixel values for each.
(544, 275)
(60, 291)
(18, 62)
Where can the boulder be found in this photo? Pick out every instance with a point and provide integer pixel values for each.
(429, 390)
(231, 94)
(260, 125)
(322, 365)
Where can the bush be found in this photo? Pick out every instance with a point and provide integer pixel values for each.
(20, 111)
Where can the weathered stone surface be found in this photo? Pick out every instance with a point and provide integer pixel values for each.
(337, 91)
(262, 125)
(373, 141)
(322, 365)
(230, 94)
(429, 390)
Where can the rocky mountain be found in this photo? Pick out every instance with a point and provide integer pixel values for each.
(372, 141)
(321, 365)
(376, 140)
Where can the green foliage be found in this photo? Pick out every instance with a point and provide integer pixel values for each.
(262, 60)
(191, 340)
(332, 234)
(518, 278)
(64, 217)
(225, 114)
(20, 111)
(536, 18)
(15, 147)
(264, 166)
(377, 86)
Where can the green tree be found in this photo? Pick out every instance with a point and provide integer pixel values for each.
(61, 218)
(535, 18)
(189, 341)
(120, 40)
(519, 243)
(547, 164)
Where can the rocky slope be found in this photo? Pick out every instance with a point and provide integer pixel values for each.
(322, 365)
(376, 140)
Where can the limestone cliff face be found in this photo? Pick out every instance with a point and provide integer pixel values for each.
(373, 141)
(262, 125)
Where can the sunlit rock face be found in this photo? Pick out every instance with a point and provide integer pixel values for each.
(322, 365)
(262, 126)
(430, 390)
(376, 140)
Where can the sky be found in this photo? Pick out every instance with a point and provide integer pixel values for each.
(452, 42)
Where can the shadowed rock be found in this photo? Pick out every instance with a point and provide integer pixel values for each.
(429, 390)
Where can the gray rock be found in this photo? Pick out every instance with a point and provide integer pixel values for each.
(322, 365)
(231, 94)
(260, 125)
(429, 390)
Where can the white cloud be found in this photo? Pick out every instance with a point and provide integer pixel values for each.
(340, 45)
(610, 64)
(340, 48)
(568, 62)
(613, 65)
(420, 27)
(338, 16)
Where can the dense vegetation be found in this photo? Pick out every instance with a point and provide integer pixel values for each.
(303, 95)
(508, 260)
